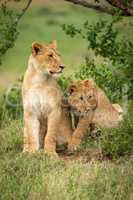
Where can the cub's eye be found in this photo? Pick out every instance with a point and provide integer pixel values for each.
(81, 98)
(89, 97)
(71, 91)
(50, 55)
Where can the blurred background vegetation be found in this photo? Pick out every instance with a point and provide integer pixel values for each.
(43, 22)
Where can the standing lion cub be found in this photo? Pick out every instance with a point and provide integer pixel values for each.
(93, 107)
(45, 121)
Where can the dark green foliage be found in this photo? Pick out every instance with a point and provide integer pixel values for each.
(103, 39)
(8, 29)
(100, 37)
(9, 19)
(71, 29)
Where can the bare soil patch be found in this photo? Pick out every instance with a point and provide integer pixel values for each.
(84, 156)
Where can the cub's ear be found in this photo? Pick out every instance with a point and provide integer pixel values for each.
(36, 48)
(53, 44)
(89, 83)
(72, 88)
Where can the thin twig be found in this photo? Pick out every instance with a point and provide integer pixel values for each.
(23, 11)
(5, 2)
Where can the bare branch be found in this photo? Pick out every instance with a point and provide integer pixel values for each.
(127, 10)
(97, 7)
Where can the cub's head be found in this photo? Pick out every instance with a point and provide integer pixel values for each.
(47, 59)
(83, 96)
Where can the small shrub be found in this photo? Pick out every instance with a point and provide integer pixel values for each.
(118, 142)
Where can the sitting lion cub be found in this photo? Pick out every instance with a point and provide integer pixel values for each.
(92, 106)
(45, 121)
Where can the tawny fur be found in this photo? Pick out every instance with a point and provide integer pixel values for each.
(93, 107)
(45, 121)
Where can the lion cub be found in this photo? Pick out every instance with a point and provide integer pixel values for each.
(92, 106)
(45, 121)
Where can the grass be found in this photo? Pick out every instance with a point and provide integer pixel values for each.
(40, 177)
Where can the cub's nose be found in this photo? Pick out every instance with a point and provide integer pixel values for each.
(62, 66)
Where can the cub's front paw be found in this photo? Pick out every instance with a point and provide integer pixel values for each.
(73, 145)
(72, 148)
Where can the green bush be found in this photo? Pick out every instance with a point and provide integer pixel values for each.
(118, 142)
(111, 143)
